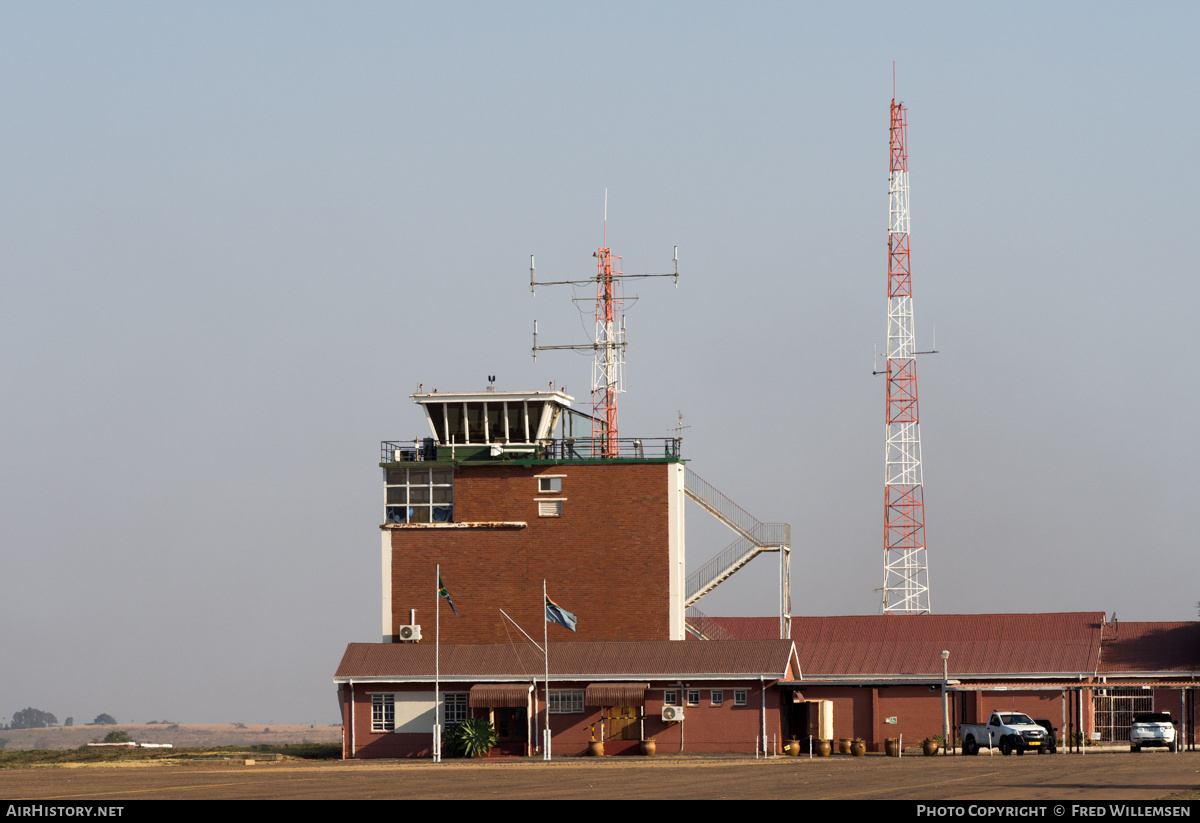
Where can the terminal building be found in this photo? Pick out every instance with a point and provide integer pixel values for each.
(504, 491)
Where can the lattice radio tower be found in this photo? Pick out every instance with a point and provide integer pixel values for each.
(608, 366)
(905, 569)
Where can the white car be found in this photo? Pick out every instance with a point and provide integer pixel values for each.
(1152, 729)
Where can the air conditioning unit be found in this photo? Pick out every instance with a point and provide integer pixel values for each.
(410, 634)
(670, 713)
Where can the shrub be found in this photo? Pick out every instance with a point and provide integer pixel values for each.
(471, 738)
(118, 736)
(104, 720)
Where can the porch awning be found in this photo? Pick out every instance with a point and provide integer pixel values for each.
(498, 696)
(615, 694)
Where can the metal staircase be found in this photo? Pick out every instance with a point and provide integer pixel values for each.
(754, 538)
(702, 627)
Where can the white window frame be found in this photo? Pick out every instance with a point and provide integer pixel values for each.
(670, 697)
(565, 701)
(693, 697)
(383, 712)
(455, 708)
(739, 697)
(550, 483)
(550, 508)
(717, 697)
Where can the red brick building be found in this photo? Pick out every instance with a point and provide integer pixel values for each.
(882, 675)
(510, 490)
(507, 492)
(722, 693)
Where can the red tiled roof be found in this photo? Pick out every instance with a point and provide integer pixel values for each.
(1153, 647)
(979, 644)
(582, 660)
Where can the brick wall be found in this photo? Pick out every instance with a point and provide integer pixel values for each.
(605, 558)
(705, 728)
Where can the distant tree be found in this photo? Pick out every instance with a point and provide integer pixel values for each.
(70, 721)
(33, 719)
(118, 736)
(104, 720)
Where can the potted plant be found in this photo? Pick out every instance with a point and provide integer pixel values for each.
(931, 744)
(844, 745)
(891, 746)
(649, 747)
(471, 738)
(858, 747)
(823, 748)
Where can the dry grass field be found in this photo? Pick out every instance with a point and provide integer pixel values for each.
(216, 734)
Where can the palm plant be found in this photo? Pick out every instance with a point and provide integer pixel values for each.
(471, 738)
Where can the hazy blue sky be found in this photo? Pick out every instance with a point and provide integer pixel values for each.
(236, 236)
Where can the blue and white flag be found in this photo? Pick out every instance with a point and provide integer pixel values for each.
(557, 614)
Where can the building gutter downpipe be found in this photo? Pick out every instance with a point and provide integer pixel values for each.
(762, 683)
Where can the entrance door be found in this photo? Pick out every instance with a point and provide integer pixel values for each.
(623, 723)
(511, 724)
(798, 721)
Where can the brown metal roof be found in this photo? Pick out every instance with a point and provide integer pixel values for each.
(615, 694)
(1152, 647)
(979, 644)
(498, 695)
(774, 659)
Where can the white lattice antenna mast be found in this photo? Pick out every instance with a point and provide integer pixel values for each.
(905, 568)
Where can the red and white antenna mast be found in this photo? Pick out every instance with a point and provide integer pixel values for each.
(608, 365)
(905, 570)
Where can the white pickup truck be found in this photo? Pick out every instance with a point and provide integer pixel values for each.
(1011, 731)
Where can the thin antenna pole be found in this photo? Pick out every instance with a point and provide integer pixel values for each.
(437, 661)
(546, 647)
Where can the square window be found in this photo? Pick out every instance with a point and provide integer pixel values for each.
(718, 697)
(549, 508)
(419, 496)
(549, 484)
(739, 697)
(670, 698)
(693, 697)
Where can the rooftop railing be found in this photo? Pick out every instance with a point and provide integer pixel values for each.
(562, 448)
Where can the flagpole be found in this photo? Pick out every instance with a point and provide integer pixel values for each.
(437, 660)
(546, 657)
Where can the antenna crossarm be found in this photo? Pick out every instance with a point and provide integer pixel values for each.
(576, 347)
(587, 282)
